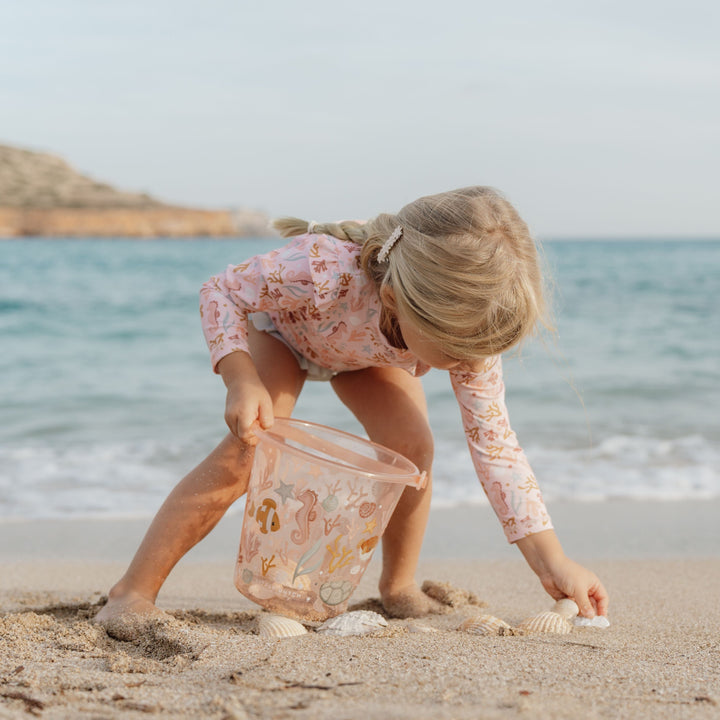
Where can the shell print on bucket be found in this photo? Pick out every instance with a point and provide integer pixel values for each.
(367, 509)
(336, 591)
(368, 545)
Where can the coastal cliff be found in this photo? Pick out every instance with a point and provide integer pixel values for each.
(42, 195)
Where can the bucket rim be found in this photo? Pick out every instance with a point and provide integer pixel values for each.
(414, 477)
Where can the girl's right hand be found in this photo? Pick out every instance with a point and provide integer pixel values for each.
(247, 406)
(248, 403)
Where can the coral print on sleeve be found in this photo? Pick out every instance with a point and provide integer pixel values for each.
(500, 463)
(316, 295)
(297, 278)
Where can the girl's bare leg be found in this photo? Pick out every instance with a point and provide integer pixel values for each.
(203, 496)
(391, 406)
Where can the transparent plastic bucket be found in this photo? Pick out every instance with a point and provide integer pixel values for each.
(317, 504)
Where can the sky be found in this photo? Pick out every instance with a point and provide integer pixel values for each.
(595, 119)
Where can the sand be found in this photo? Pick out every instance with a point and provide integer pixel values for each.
(659, 659)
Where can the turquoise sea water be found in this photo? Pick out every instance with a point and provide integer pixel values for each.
(107, 397)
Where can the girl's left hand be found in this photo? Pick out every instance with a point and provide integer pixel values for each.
(567, 578)
(562, 577)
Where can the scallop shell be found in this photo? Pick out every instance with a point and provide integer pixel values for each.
(566, 607)
(486, 625)
(546, 622)
(357, 622)
(279, 626)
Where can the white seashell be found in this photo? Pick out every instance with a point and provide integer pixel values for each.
(279, 626)
(599, 621)
(546, 622)
(486, 625)
(566, 607)
(358, 622)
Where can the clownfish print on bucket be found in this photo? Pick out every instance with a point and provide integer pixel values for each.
(267, 516)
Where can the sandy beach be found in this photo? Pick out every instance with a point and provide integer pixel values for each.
(660, 658)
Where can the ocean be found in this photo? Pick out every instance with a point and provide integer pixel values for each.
(107, 397)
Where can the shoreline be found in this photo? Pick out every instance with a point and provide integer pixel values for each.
(613, 529)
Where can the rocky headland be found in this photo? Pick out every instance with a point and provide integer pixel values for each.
(42, 195)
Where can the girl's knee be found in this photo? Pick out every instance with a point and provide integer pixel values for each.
(417, 445)
(228, 466)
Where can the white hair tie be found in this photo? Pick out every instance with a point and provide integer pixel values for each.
(389, 243)
(312, 226)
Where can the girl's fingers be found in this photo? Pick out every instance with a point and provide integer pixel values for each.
(601, 598)
(266, 416)
(248, 437)
(244, 427)
(583, 602)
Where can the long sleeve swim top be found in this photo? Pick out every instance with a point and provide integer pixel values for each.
(322, 302)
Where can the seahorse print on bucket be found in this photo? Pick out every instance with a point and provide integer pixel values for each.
(304, 516)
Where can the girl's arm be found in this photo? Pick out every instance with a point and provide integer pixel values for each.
(513, 492)
(293, 277)
(501, 465)
(281, 280)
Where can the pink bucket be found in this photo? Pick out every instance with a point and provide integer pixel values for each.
(318, 502)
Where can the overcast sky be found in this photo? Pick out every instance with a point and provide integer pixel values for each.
(595, 119)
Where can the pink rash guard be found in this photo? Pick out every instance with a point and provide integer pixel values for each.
(324, 305)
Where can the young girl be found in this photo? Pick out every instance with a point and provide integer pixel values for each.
(450, 282)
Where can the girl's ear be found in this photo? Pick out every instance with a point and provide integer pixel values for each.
(387, 297)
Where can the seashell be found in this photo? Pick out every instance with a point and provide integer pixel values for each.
(486, 625)
(334, 592)
(566, 607)
(279, 626)
(357, 622)
(546, 622)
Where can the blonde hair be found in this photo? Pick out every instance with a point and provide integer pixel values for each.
(466, 271)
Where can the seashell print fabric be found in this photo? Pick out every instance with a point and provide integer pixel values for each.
(324, 305)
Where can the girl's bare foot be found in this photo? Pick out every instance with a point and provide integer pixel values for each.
(411, 602)
(125, 616)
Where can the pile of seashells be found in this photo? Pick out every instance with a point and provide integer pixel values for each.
(558, 621)
(358, 622)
